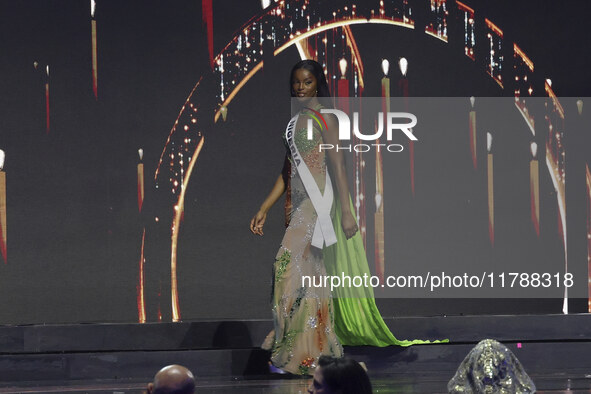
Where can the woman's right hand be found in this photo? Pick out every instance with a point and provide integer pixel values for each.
(257, 222)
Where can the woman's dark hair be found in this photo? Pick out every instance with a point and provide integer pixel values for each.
(344, 375)
(316, 69)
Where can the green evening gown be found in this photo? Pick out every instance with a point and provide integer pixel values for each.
(357, 320)
(310, 321)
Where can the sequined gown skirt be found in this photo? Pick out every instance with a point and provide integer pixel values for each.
(303, 315)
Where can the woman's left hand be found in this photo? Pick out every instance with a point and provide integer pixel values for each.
(349, 225)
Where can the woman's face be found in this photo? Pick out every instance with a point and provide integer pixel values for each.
(317, 386)
(304, 84)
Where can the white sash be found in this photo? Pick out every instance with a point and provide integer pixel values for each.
(323, 230)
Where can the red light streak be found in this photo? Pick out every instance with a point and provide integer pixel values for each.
(207, 12)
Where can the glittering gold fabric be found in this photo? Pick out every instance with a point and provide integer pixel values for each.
(491, 368)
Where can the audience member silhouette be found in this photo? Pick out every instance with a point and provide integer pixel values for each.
(339, 376)
(173, 379)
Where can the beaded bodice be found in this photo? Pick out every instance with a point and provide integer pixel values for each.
(309, 148)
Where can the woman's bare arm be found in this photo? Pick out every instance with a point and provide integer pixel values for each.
(257, 222)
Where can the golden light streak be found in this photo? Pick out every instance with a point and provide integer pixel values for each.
(47, 117)
(176, 224)
(174, 128)
(529, 121)
(333, 25)
(464, 7)
(495, 79)
(141, 305)
(94, 60)
(534, 185)
(524, 57)
(356, 55)
(473, 149)
(3, 244)
(552, 95)
(140, 186)
(429, 32)
(379, 196)
(140, 287)
(379, 244)
(558, 187)
(391, 22)
(560, 195)
(238, 87)
(379, 218)
(304, 54)
(588, 184)
(493, 27)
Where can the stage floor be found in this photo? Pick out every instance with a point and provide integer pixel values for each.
(224, 355)
(417, 384)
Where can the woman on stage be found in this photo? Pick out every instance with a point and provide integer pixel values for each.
(321, 239)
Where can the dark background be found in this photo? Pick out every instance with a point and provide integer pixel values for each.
(73, 228)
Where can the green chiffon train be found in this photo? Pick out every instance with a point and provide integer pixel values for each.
(357, 320)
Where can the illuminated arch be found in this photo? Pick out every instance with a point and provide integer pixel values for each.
(243, 57)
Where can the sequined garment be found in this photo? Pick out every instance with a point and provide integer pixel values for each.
(491, 368)
(303, 316)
